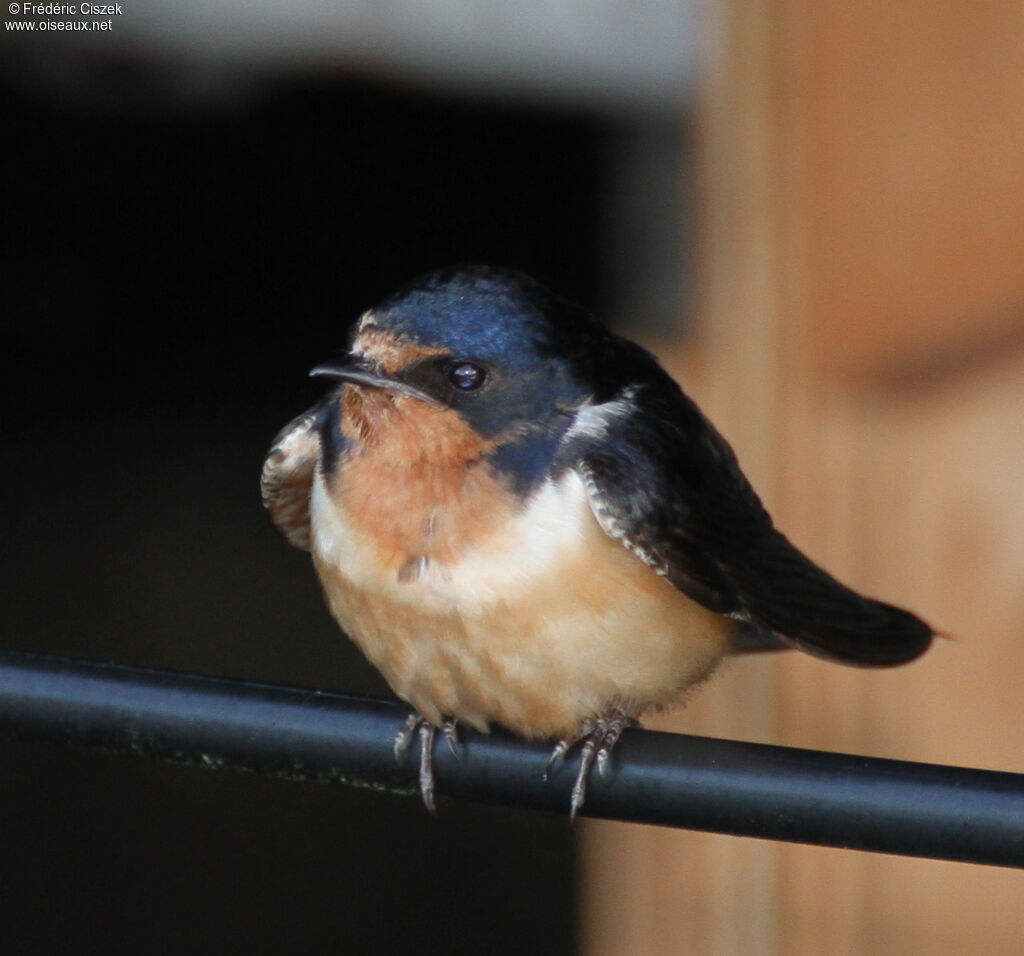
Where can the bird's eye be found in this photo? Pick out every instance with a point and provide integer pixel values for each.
(466, 376)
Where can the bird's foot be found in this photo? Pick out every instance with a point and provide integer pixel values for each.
(419, 726)
(599, 736)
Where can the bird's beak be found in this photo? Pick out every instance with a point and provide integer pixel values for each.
(359, 373)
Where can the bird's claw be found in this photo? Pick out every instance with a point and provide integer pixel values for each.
(557, 756)
(427, 732)
(599, 736)
(450, 729)
(404, 736)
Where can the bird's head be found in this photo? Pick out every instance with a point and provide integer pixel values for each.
(491, 345)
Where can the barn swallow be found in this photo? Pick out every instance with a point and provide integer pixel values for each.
(521, 519)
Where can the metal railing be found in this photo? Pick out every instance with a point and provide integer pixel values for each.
(723, 786)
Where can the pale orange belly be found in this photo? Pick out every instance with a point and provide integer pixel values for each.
(551, 625)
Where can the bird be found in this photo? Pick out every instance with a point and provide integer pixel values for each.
(522, 520)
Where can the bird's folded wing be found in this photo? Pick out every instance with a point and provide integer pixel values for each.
(287, 476)
(664, 483)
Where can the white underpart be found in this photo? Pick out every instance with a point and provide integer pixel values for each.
(541, 627)
(547, 531)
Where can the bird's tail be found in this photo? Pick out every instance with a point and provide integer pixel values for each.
(794, 601)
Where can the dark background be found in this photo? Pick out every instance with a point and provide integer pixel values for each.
(170, 275)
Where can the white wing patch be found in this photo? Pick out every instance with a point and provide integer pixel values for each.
(614, 527)
(287, 478)
(593, 421)
(367, 318)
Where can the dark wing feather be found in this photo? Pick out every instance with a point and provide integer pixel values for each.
(664, 482)
(287, 476)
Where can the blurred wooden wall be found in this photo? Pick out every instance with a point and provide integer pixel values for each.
(861, 343)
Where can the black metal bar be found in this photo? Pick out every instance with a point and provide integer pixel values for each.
(723, 786)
